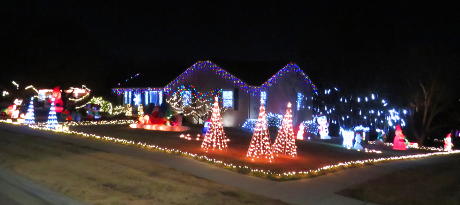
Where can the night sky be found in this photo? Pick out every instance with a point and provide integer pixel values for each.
(353, 46)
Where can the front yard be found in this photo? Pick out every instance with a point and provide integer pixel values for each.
(99, 177)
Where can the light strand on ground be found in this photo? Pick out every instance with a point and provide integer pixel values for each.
(256, 172)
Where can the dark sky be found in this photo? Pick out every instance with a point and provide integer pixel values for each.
(358, 46)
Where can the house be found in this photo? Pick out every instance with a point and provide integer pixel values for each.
(242, 101)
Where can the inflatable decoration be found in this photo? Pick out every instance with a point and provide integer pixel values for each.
(399, 142)
(154, 121)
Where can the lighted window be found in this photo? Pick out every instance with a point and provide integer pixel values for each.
(186, 97)
(126, 97)
(263, 97)
(227, 99)
(299, 100)
(160, 97)
(147, 99)
(155, 97)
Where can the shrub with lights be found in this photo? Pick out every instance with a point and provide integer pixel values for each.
(215, 138)
(370, 111)
(273, 121)
(259, 147)
(193, 104)
(285, 140)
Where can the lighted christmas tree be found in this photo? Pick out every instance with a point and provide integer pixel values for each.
(285, 140)
(260, 148)
(140, 110)
(30, 116)
(52, 122)
(215, 137)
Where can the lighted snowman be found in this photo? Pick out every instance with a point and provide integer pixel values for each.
(358, 139)
(323, 127)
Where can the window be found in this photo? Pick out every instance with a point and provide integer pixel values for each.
(227, 99)
(160, 97)
(263, 97)
(299, 100)
(186, 97)
(127, 97)
(147, 99)
(155, 97)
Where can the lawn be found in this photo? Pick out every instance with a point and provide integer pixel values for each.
(99, 177)
(436, 183)
(311, 154)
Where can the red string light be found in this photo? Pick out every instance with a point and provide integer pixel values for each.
(215, 138)
(285, 140)
(260, 147)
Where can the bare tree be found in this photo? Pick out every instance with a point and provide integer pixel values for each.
(429, 103)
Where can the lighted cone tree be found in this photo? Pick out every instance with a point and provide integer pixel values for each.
(30, 116)
(52, 122)
(285, 140)
(215, 138)
(260, 147)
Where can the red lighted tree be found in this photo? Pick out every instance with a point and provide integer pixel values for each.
(215, 137)
(285, 140)
(260, 148)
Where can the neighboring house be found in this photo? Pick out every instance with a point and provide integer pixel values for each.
(290, 84)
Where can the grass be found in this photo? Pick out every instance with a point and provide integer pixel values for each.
(311, 155)
(99, 177)
(437, 183)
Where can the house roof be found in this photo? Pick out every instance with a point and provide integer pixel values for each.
(208, 65)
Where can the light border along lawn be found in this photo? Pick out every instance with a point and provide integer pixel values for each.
(99, 177)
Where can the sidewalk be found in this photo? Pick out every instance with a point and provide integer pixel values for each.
(16, 190)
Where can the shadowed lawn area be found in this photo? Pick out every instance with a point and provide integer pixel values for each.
(99, 177)
(312, 155)
(437, 183)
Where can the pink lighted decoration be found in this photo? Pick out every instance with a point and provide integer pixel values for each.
(448, 143)
(399, 142)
